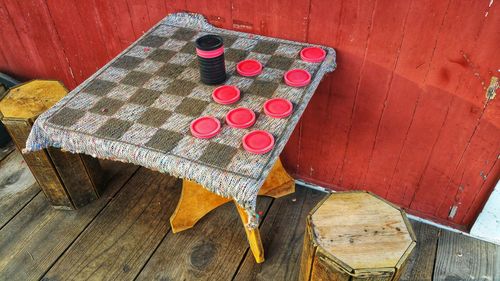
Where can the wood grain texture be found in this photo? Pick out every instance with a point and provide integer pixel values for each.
(194, 203)
(404, 113)
(361, 230)
(6, 150)
(278, 183)
(17, 186)
(134, 222)
(356, 236)
(211, 250)
(36, 237)
(421, 262)
(464, 258)
(40, 165)
(282, 234)
(28, 100)
(253, 236)
(75, 177)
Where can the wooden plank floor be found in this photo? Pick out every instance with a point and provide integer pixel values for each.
(126, 236)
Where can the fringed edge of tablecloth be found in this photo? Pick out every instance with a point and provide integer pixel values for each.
(43, 136)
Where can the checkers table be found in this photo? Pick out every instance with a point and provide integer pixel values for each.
(138, 109)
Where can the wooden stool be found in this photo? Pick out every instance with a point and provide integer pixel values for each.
(68, 180)
(196, 202)
(356, 236)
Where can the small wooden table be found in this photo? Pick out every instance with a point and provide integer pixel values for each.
(138, 109)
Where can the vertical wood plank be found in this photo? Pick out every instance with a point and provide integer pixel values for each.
(37, 33)
(157, 10)
(12, 43)
(347, 30)
(74, 176)
(139, 16)
(174, 6)
(266, 18)
(123, 19)
(40, 165)
(434, 105)
(109, 27)
(80, 38)
(218, 13)
(472, 172)
(470, 216)
(415, 56)
(383, 48)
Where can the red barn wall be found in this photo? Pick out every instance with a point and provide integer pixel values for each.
(405, 114)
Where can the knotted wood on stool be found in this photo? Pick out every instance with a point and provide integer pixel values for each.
(356, 236)
(196, 201)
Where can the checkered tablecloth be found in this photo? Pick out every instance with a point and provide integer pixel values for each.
(138, 107)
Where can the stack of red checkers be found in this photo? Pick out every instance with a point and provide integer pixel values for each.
(297, 77)
(278, 108)
(258, 142)
(241, 118)
(312, 54)
(205, 127)
(249, 68)
(226, 94)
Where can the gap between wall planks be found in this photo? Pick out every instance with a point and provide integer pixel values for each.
(404, 115)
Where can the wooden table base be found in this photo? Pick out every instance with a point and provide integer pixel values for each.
(196, 202)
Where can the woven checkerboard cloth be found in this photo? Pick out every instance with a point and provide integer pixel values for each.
(138, 108)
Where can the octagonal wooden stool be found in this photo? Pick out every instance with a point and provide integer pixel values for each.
(69, 181)
(356, 236)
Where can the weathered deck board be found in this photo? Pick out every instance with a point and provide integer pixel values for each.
(282, 234)
(211, 250)
(463, 258)
(421, 263)
(17, 186)
(126, 235)
(122, 238)
(6, 150)
(37, 236)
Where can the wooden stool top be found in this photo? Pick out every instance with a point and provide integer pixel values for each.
(30, 99)
(362, 231)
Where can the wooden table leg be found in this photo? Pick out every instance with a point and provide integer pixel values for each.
(278, 183)
(196, 202)
(253, 236)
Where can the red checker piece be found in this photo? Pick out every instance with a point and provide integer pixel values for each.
(258, 142)
(313, 54)
(226, 94)
(249, 68)
(205, 127)
(240, 117)
(297, 77)
(278, 108)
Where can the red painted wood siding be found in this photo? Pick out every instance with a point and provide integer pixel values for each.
(404, 115)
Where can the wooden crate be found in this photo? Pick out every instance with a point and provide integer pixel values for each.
(68, 180)
(356, 236)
